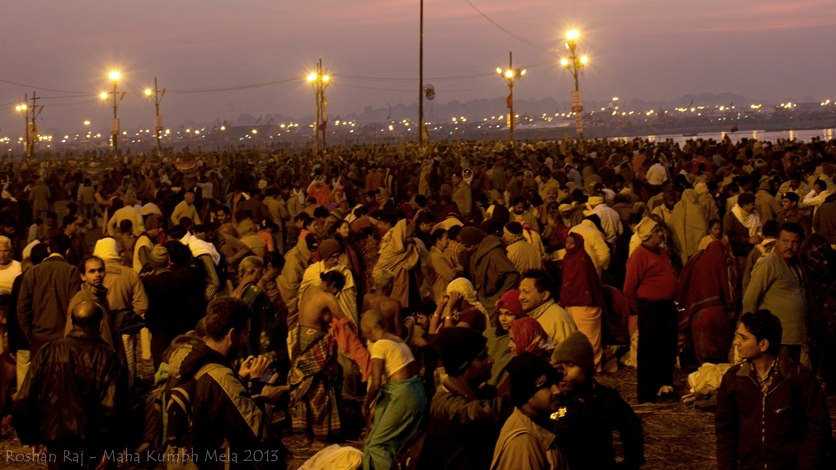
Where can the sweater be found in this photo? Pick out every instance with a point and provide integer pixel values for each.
(650, 276)
(775, 286)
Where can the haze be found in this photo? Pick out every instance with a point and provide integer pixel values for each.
(645, 49)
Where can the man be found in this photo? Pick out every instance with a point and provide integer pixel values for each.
(777, 284)
(314, 371)
(395, 389)
(538, 302)
(296, 261)
(125, 292)
(816, 196)
(649, 286)
(268, 327)
(771, 412)
(72, 397)
(610, 220)
(127, 212)
(145, 243)
(824, 222)
(591, 412)
(400, 255)
(742, 226)
(223, 414)
(525, 442)
(522, 253)
(464, 418)
(93, 290)
(330, 253)
(593, 241)
(491, 270)
(45, 294)
(186, 208)
(9, 268)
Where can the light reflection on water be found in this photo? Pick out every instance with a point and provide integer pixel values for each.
(768, 136)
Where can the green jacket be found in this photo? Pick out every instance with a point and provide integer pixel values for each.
(776, 287)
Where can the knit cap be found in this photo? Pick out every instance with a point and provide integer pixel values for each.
(576, 349)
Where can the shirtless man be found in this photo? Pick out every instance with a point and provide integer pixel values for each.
(319, 304)
(389, 309)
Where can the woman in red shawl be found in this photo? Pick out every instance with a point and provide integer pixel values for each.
(706, 292)
(527, 336)
(581, 293)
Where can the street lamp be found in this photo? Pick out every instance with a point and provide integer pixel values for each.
(157, 94)
(510, 74)
(575, 63)
(23, 108)
(114, 76)
(319, 79)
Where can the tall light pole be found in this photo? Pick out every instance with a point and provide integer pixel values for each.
(510, 74)
(157, 94)
(320, 79)
(575, 63)
(35, 111)
(421, 75)
(114, 76)
(23, 108)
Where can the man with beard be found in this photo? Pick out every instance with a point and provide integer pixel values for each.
(525, 442)
(589, 413)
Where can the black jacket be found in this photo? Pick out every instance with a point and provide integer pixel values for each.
(222, 411)
(584, 425)
(74, 392)
(786, 428)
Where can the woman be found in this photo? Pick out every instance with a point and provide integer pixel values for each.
(443, 266)
(581, 293)
(706, 292)
(508, 309)
(650, 285)
(460, 305)
(527, 336)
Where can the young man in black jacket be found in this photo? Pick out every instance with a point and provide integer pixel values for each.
(771, 412)
(588, 413)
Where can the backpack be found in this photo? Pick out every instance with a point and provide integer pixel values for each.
(176, 409)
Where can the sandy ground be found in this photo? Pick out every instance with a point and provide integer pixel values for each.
(677, 436)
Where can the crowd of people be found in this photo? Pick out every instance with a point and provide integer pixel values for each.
(452, 304)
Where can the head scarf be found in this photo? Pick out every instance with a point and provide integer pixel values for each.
(645, 228)
(510, 301)
(580, 285)
(464, 287)
(525, 331)
(106, 249)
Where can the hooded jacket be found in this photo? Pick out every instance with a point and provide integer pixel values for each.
(493, 273)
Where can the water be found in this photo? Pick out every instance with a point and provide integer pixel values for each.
(766, 136)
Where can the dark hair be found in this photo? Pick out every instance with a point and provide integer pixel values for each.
(514, 227)
(770, 228)
(68, 219)
(321, 212)
(224, 314)
(178, 253)
(303, 217)
(437, 235)
(424, 218)
(88, 259)
(59, 244)
(178, 231)
(820, 184)
(126, 226)
(421, 200)
(542, 281)
(335, 278)
(764, 325)
(39, 253)
(745, 198)
(793, 197)
(453, 232)
(792, 227)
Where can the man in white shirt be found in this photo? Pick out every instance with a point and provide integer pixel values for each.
(9, 268)
(186, 208)
(816, 196)
(610, 220)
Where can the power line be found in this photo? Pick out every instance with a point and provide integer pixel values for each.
(236, 88)
(27, 85)
(504, 29)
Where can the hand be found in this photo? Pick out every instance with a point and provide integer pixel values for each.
(253, 366)
(455, 297)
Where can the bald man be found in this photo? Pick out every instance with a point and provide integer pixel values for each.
(54, 405)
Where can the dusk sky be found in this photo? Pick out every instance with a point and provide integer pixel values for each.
(644, 49)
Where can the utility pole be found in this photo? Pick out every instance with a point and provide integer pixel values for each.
(421, 75)
(35, 109)
(320, 80)
(23, 108)
(510, 75)
(575, 63)
(157, 94)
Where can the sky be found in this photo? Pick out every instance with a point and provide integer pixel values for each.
(641, 49)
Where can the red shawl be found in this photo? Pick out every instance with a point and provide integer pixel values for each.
(580, 286)
(525, 331)
(706, 281)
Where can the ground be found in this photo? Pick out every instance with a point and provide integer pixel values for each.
(677, 436)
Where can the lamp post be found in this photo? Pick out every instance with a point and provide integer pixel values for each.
(157, 94)
(23, 108)
(575, 63)
(421, 74)
(320, 79)
(510, 74)
(114, 76)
